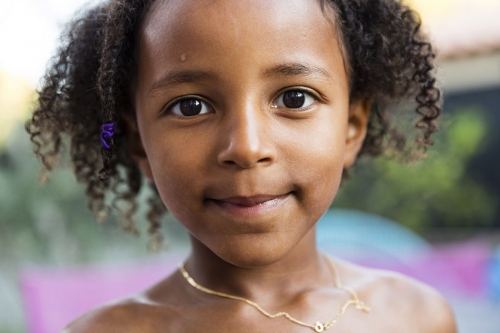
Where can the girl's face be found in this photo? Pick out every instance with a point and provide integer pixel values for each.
(244, 119)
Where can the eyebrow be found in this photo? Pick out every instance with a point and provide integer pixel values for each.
(178, 77)
(296, 69)
(188, 76)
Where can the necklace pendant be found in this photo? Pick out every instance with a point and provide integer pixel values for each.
(318, 327)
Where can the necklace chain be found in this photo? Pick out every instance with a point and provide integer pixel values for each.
(317, 327)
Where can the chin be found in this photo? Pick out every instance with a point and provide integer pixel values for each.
(253, 250)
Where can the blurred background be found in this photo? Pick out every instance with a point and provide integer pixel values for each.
(438, 220)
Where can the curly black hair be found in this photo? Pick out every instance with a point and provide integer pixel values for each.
(88, 82)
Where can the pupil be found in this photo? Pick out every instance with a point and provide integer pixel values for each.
(190, 107)
(294, 99)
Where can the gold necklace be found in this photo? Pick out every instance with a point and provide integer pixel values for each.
(318, 327)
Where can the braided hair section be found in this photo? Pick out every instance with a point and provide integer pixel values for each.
(113, 76)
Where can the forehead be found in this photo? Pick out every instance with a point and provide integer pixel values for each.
(226, 32)
(235, 11)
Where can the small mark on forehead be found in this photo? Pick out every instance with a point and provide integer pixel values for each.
(183, 57)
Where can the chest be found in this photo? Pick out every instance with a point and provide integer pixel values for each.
(250, 320)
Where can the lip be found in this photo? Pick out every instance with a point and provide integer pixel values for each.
(252, 205)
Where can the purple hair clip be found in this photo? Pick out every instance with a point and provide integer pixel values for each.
(107, 133)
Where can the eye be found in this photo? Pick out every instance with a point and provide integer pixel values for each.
(294, 99)
(190, 107)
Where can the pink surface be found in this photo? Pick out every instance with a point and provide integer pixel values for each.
(54, 297)
(460, 269)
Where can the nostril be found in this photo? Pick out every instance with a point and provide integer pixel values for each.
(264, 160)
(229, 163)
(244, 162)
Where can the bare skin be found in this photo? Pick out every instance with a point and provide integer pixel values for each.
(244, 123)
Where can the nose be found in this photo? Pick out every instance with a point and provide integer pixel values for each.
(246, 139)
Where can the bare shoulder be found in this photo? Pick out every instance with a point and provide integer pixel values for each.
(129, 315)
(157, 307)
(397, 297)
(420, 303)
(114, 317)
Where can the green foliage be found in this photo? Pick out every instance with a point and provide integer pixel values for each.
(50, 222)
(436, 191)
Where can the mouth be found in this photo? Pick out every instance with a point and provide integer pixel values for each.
(251, 205)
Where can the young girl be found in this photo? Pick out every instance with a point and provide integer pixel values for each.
(243, 115)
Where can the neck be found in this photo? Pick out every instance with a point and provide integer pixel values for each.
(302, 269)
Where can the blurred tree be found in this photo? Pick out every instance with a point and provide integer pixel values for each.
(50, 223)
(435, 192)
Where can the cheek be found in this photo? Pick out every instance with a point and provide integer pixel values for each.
(176, 172)
(319, 157)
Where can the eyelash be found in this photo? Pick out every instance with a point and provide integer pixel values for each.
(306, 92)
(177, 101)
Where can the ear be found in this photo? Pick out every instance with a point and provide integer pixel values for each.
(135, 145)
(359, 112)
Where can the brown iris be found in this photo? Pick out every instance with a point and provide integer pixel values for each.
(190, 107)
(294, 99)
